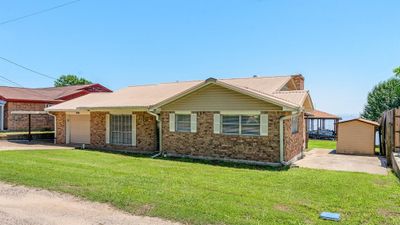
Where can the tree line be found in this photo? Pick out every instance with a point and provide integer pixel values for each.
(384, 96)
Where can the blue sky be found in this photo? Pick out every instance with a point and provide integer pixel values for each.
(342, 48)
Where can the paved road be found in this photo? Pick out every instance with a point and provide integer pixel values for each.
(329, 160)
(26, 206)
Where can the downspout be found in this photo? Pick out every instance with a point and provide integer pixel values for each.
(159, 133)
(281, 137)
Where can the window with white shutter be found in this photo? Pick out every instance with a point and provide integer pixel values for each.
(247, 125)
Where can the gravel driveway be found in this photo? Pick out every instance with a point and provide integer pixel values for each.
(27, 206)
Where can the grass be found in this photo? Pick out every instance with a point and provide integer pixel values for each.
(198, 193)
(325, 144)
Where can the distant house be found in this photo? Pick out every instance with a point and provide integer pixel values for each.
(15, 99)
(256, 119)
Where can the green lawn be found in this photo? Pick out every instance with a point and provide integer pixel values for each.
(321, 144)
(199, 193)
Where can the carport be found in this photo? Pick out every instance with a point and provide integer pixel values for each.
(29, 113)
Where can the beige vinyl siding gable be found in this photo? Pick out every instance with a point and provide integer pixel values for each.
(217, 98)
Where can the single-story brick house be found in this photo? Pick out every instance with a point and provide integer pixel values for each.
(256, 120)
(21, 100)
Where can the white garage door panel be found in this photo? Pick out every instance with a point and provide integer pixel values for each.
(80, 129)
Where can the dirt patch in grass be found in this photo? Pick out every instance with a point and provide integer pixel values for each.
(282, 208)
(143, 210)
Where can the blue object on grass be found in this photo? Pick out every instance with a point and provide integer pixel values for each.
(330, 216)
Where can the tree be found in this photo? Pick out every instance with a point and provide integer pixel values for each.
(68, 80)
(384, 96)
(396, 71)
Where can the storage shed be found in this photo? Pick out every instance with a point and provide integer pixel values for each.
(356, 136)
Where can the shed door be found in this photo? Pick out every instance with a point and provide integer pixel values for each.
(80, 129)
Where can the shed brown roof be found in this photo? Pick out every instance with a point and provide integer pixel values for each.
(362, 120)
(317, 114)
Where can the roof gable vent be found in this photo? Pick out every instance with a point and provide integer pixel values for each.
(211, 80)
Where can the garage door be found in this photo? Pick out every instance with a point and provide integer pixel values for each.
(80, 129)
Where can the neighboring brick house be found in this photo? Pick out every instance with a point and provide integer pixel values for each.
(15, 100)
(255, 120)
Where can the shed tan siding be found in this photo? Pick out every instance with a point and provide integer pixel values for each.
(216, 98)
(356, 138)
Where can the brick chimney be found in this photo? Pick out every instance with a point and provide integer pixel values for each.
(298, 81)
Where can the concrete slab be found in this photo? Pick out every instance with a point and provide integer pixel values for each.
(329, 160)
(26, 145)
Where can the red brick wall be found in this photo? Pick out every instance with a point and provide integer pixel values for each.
(207, 144)
(146, 132)
(293, 143)
(60, 127)
(20, 122)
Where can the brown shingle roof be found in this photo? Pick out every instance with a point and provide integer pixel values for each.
(316, 114)
(51, 94)
(151, 95)
(362, 120)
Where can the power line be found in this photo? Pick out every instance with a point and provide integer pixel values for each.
(19, 85)
(10, 81)
(37, 12)
(26, 68)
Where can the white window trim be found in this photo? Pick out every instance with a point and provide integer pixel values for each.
(239, 112)
(2, 115)
(108, 128)
(133, 131)
(240, 124)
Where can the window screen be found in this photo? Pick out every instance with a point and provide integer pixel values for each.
(230, 124)
(182, 122)
(250, 125)
(121, 129)
(295, 124)
(241, 124)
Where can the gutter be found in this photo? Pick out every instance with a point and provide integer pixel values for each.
(160, 151)
(281, 137)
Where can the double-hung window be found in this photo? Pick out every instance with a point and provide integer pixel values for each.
(241, 124)
(183, 122)
(295, 124)
(121, 129)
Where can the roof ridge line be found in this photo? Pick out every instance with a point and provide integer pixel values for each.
(200, 80)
